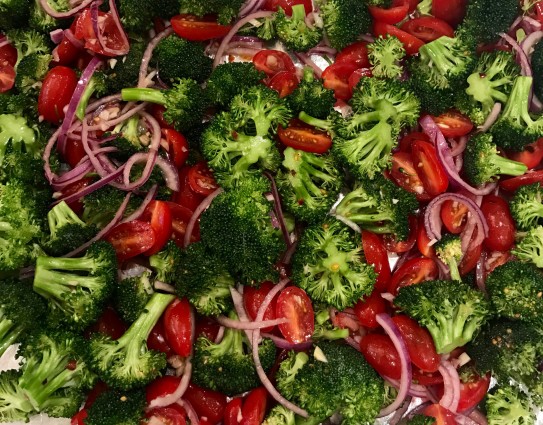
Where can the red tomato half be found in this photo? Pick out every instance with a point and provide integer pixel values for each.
(109, 323)
(7, 76)
(453, 124)
(66, 52)
(194, 28)
(531, 156)
(470, 258)
(286, 5)
(206, 403)
(501, 227)
(423, 241)
(441, 415)
(254, 407)
(180, 219)
(336, 77)
(412, 272)
(411, 43)
(79, 417)
(392, 15)
(273, 61)
(454, 216)
(157, 339)
(74, 152)
(514, 183)
(355, 54)
(253, 298)
(178, 326)
(161, 387)
(232, 411)
(473, 392)
(8, 53)
(376, 255)
(294, 304)
(299, 135)
(368, 308)
(112, 35)
(186, 197)
(429, 168)
(56, 92)
(283, 82)
(405, 175)
(201, 179)
(451, 11)
(409, 138)
(428, 28)
(176, 146)
(382, 355)
(131, 238)
(158, 213)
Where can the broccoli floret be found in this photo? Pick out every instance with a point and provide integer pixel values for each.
(166, 261)
(449, 251)
(293, 30)
(130, 137)
(64, 403)
(127, 362)
(530, 247)
(97, 86)
(136, 16)
(14, 406)
(100, 206)
(67, 230)
(344, 21)
(483, 163)
(23, 104)
(228, 366)
(15, 131)
(490, 82)
(116, 407)
(229, 79)
(425, 7)
(311, 97)
(280, 415)
(27, 42)
(385, 55)
(308, 184)
(55, 360)
(14, 13)
(31, 71)
(132, 294)
(77, 288)
(238, 225)
(328, 265)
(515, 291)
(379, 206)
(126, 70)
(177, 58)
(204, 280)
(527, 206)
(184, 103)
(335, 378)
(42, 21)
(509, 406)
(324, 329)
(452, 311)
(515, 128)
(226, 10)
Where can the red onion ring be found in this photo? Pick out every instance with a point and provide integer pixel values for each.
(146, 201)
(72, 39)
(521, 56)
(59, 15)
(237, 299)
(240, 325)
(448, 393)
(197, 212)
(285, 345)
(398, 414)
(460, 146)
(393, 332)
(56, 37)
(306, 59)
(530, 41)
(149, 53)
(455, 381)
(491, 119)
(278, 209)
(179, 391)
(250, 6)
(191, 413)
(102, 41)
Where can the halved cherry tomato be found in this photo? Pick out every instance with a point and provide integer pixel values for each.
(453, 124)
(405, 175)
(423, 241)
(207, 327)
(412, 272)
(112, 34)
(206, 403)
(56, 92)
(376, 255)
(286, 5)
(173, 414)
(131, 238)
(162, 386)
(411, 43)
(294, 304)
(473, 391)
(232, 412)
(76, 206)
(180, 219)
(252, 299)
(451, 11)
(531, 156)
(7, 76)
(336, 77)
(419, 342)
(194, 28)
(470, 258)
(428, 28)
(158, 213)
(109, 323)
(8, 53)
(157, 340)
(453, 216)
(273, 61)
(501, 227)
(73, 152)
(186, 197)
(367, 308)
(254, 407)
(425, 378)
(158, 113)
(355, 77)
(514, 183)
(299, 135)
(201, 179)
(65, 52)
(176, 146)
(382, 355)
(392, 15)
(392, 244)
(178, 327)
(441, 415)
(79, 417)
(495, 259)
(283, 82)
(406, 141)
(429, 168)
(355, 54)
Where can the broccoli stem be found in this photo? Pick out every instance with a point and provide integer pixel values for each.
(453, 268)
(439, 53)
(52, 284)
(517, 106)
(144, 95)
(508, 167)
(315, 122)
(85, 97)
(9, 334)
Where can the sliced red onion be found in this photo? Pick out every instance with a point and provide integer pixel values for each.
(491, 119)
(478, 417)
(455, 381)
(306, 60)
(352, 342)
(234, 30)
(164, 287)
(102, 40)
(460, 146)
(191, 413)
(250, 6)
(56, 36)
(285, 345)
(238, 324)
(146, 201)
(72, 39)
(388, 296)
(522, 58)
(149, 53)
(82, 168)
(237, 299)
(179, 391)
(322, 49)
(243, 52)
(60, 15)
(367, 37)
(90, 153)
(448, 393)
(108, 123)
(530, 41)
(444, 154)
(398, 414)
(393, 332)
(4, 41)
(197, 212)
(169, 172)
(149, 158)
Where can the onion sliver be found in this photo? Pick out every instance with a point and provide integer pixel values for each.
(179, 391)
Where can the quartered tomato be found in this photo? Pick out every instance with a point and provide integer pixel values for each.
(157, 339)
(178, 326)
(232, 412)
(382, 355)
(454, 216)
(273, 61)
(196, 28)
(176, 145)
(173, 414)
(392, 15)
(8, 53)
(423, 241)
(405, 175)
(377, 256)
(428, 28)
(441, 415)
(253, 298)
(470, 258)
(66, 52)
(409, 138)
(355, 54)
(109, 323)
(73, 152)
(501, 227)
(299, 135)
(55, 93)
(411, 43)
(368, 308)
(283, 82)
(207, 403)
(131, 238)
(201, 179)
(158, 213)
(286, 5)
(294, 304)
(453, 124)
(336, 77)
(429, 169)
(186, 197)
(412, 272)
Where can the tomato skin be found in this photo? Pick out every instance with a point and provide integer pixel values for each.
(74, 152)
(56, 92)
(376, 255)
(273, 61)
(180, 218)
(451, 11)
(336, 77)
(531, 156)
(473, 392)
(394, 14)
(8, 53)
(131, 238)
(208, 403)
(157, 339)
(66, 52)
(381, 354)
(514, 183)
(412, 272)
(161, 387)
(429, 168)
(409, 138)
(453, 124)
(411, 43)
(7, 76)
(186, 197)
(283, 82)
(355, 54)
(173, 414)
(177, 146)
(286, 5)
(394, 245)
(294, 304)
(405, 175)
(301, 136)
(201, 179)
(178, 326)
(453, 216)
(158, 213)
(254, 407)
(356, 76)
(441, 415)
(428, 28)
(470, 258)
(194, 28)
(232, 411)
(109, 323)
(112, 35)
(419, 342)
(75, 187)
(425, 378)
(368, 308)
(207, 327)
(79, 417)
(501, 226)
(253, 298)
(423, 241)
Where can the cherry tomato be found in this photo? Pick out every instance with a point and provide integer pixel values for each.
(381, 354)
(79, 417)
(355, 54)
(356, 76)
(131, 238)
(451, 11)
(495, 259)
(158, 213)
(232, 412)
(454, 216)
(186, 197)
(425, 378)
(501, 227)
(207, 327)
(286, 5)
(294, 304)
(419, 342)
(470, 258)
(411, 43)
(453, 124)
(441, 415)
(392, 15)
(428, 28)
(75, 187)
(8, 53)
(176, 146)
(180, 219)
(56, 92)
(201, 179)
(423, 241)
(194, 28)
(473, 391)
(253, 298)
(283, 82)
(158, 113)
(65, 52)
(254, 407)
(113, 36)
(531, 156)
(336, 77)
(109, 323)
(431, 172)
(409, 138)
(178, 327)
(162, 386)
(206, 403)
(367, 308)
(173, 414)
(514, 183)
(299, 135)
(376, 255)
(412, 272)
(157, 340)
(74, 152)
(7, 76)
(405, 175)
(273, 61)
(392, 244)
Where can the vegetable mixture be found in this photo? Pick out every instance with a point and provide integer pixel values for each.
(199, 201)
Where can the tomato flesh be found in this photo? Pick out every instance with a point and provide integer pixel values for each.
(376, 255)
(55, 93)
(178, 326)
(501, 226)
(382, 355)
(294, 304)
(428, 28)
(303, 137)
(131, 239)
(273, 61)
(194, 28)
(253, 298)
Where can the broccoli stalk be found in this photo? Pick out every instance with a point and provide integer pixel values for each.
(96, 86)
(127, 362)
(385, 55)
(527, 206)
(14, 406)
(449, 251)
(530, 247)
(293, 30)
(324, 328)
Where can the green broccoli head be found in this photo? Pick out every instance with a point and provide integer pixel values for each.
(433, 100)
(136, 16)
(328, 265)
(14, 406)
(132, 294)
(226, 10)
(311, 97)
(115, 407)
(509, 406)
(125, 71)
(280, 415)
(527, 206)
(385, 55)
(344, 21)
(165, 262)
(31, 71)
(100, 206)
(294, 31)
(15, 131)
(42, 21)
(14, 13)
(64, 403)
(421, 420)
(27, 41)
(530, 247)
